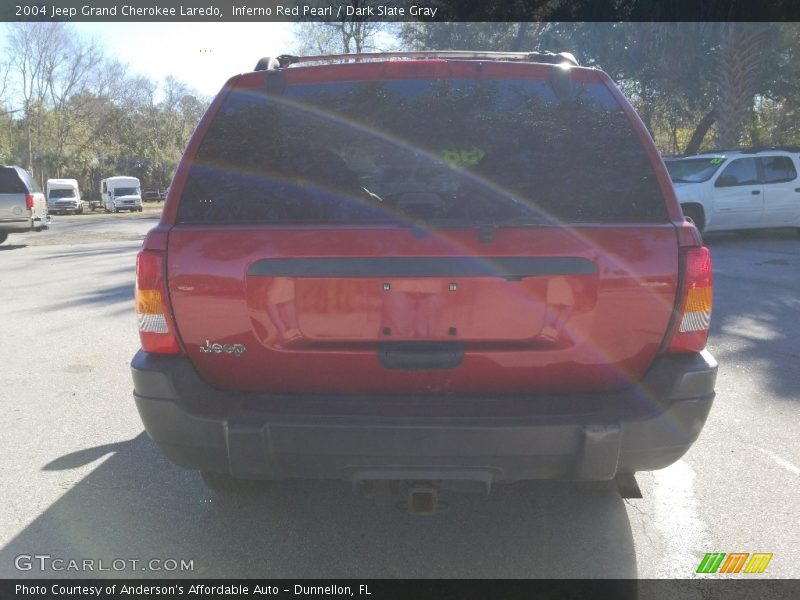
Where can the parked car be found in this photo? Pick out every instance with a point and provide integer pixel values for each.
(739, 189)
(63, 196)
(22, 204)
(534, 307)
(153, 195)
(121, 193)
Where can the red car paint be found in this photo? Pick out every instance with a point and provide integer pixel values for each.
(576, 332)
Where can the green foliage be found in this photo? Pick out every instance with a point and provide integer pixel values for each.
(72, 112)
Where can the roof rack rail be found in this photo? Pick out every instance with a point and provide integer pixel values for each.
(287, 60)
(756, 149)
(751, 150)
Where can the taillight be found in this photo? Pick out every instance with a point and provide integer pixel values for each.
(156, 326)
(29, 201)
(690, 330)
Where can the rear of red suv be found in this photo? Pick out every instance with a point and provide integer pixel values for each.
(435, 267)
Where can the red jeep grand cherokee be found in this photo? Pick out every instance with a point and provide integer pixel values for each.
(435, 267)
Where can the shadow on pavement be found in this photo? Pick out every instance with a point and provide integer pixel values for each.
(80, 253)
(749, 236)
(102, 296)
(136, 505)
(756, 302)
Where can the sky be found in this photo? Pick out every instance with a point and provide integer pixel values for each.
(202, 55)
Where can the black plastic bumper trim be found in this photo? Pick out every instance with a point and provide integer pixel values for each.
(578, 436)
(508, 267)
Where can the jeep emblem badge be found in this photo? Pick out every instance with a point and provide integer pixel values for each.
(235, 349)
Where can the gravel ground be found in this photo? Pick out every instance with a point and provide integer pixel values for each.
(90, 227)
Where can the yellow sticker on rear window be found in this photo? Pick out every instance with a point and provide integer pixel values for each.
(462, 157)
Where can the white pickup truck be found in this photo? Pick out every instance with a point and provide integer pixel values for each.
(740, 189)
(22, 204)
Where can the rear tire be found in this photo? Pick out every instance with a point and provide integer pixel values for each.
(3, 237)
(224, 483)
(695, 213)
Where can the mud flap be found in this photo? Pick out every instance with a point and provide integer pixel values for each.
(247, 456)
(599, 458)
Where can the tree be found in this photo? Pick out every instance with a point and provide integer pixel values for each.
(82, 115)
(348, 35)
(48, 65)
(741, 72)
(508, 37)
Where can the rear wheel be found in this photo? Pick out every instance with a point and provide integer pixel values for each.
(3, 237)
(222, 482)
(695, 213)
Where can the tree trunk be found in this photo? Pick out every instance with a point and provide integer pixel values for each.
(743, 52)
(700, 133)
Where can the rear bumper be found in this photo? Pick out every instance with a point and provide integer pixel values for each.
(576, 436)
(127, 205)
(64, 207)
(16, 225)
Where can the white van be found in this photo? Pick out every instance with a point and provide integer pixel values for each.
(121, 193)
(63, 196)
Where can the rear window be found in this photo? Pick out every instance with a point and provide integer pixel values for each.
(778, 169)
(433, 150)
(10, 182)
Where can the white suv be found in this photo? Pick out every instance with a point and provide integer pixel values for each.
(740, 189)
